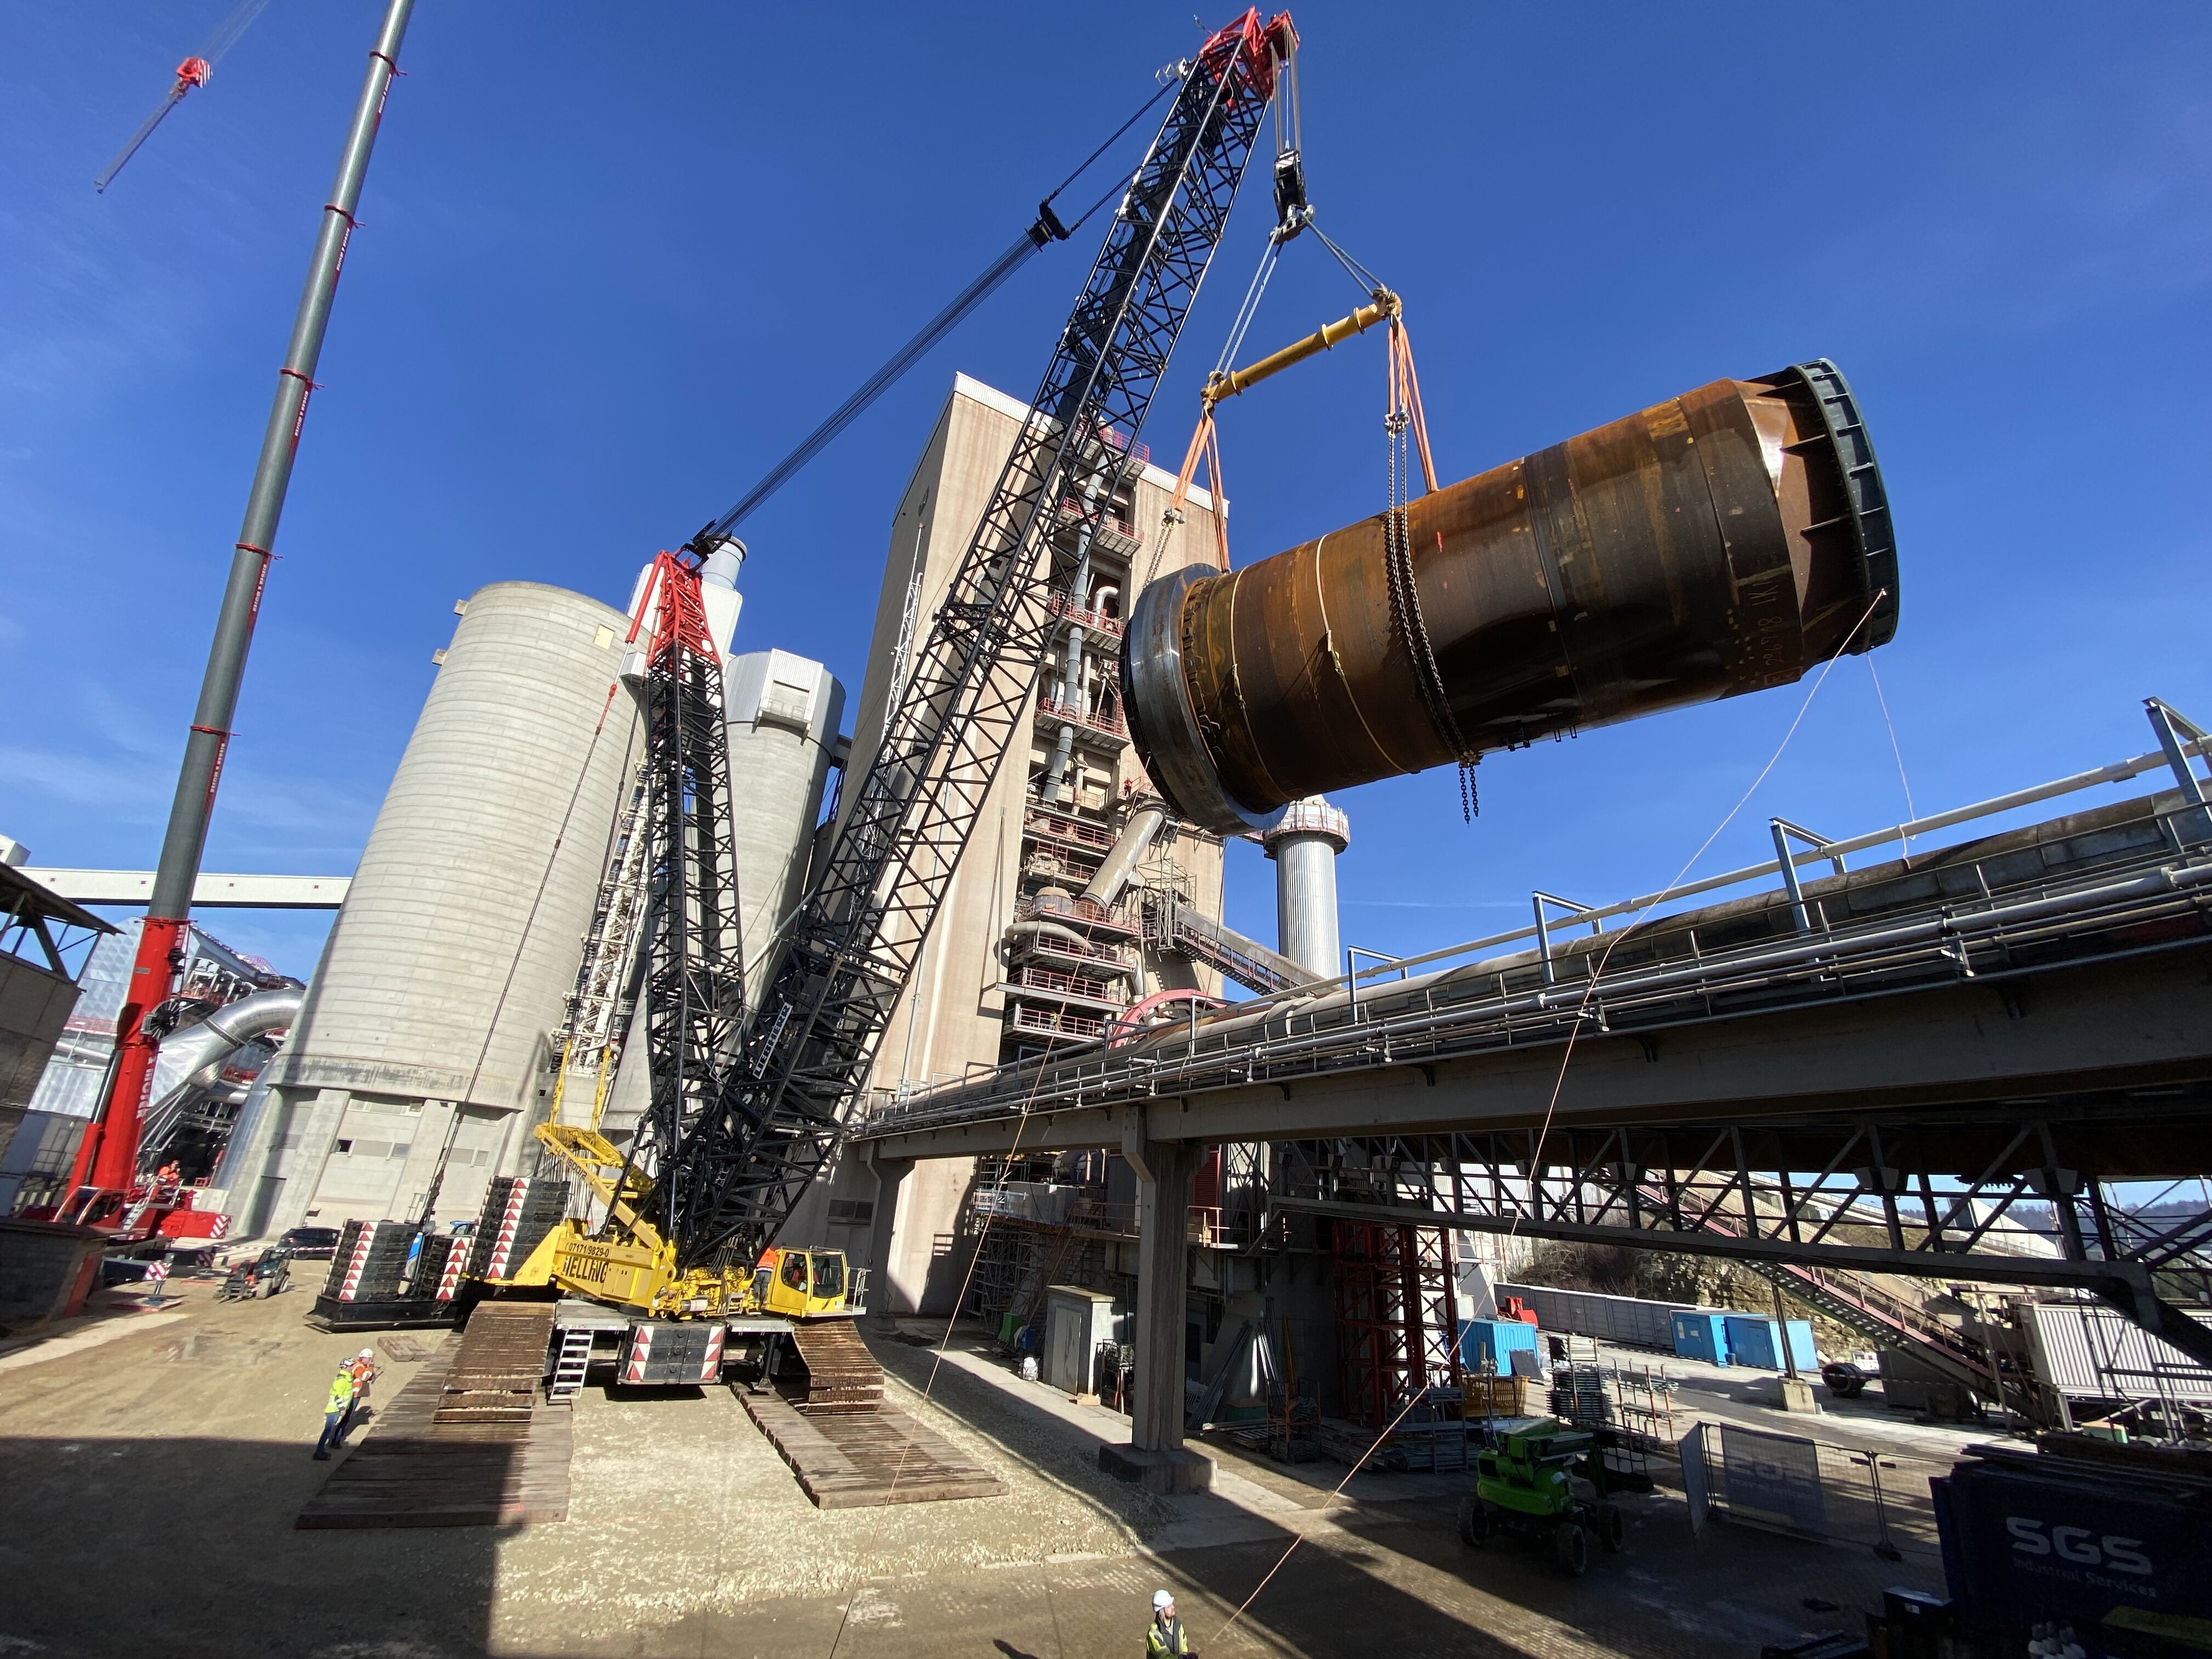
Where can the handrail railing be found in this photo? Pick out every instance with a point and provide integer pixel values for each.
(1107, 720)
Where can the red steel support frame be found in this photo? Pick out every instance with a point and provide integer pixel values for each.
(107, 1159)
(1395, 1326)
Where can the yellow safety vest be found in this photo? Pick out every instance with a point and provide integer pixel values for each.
(341, 1392)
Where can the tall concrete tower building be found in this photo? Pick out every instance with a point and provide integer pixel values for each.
(1042, 939)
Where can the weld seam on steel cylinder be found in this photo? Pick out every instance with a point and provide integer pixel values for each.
(1722, 541)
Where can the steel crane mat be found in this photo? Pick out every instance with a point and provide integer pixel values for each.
(882, 1456)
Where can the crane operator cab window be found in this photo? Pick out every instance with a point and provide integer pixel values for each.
(829, 1276)
(794, 1270)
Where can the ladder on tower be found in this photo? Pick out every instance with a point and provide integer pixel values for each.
(590, 1040)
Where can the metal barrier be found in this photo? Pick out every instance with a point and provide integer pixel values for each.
(1813, 1488)
(2120, 908)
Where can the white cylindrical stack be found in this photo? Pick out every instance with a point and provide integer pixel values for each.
(1305, 846)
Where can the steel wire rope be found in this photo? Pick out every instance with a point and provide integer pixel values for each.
(1911, 813)
(1369, 283)
(1597, 973)
(1574, 1030)
(1047, 228)
(522, 938)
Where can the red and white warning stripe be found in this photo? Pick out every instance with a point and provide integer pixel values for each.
(510, 1223)
(641, 1350)
(358, 1260)
(710, 1368)
(449, 1280)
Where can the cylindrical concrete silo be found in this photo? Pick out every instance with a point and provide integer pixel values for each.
(783, 712)
(426, 1027)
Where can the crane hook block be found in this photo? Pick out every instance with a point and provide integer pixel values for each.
(1290, 210)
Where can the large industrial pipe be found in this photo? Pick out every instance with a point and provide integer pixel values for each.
(1719, 543)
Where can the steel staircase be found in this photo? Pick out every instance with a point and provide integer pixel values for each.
(1170, 924)
(1886, 1320)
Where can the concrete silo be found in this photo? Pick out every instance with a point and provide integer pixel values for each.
(783, 713)
(427, 1024)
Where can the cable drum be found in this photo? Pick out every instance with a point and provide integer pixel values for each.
(1722, 541)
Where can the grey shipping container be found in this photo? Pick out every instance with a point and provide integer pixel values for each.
(2086, 1352)
(1627, 1320)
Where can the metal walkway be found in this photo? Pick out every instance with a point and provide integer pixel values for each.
(1977, 1062)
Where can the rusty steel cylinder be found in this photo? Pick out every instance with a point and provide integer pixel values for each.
(1721, 542)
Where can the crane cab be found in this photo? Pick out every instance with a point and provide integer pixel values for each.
(802, 1284)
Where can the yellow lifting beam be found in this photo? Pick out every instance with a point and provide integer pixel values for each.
(1386, 308)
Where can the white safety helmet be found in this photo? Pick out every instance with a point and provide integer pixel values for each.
(365, 1353)
(1163, 1600)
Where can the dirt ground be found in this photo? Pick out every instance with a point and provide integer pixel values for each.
(152, 1463)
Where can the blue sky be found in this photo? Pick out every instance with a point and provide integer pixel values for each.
(614, 260)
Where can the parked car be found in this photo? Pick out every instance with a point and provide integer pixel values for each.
(316, 1244)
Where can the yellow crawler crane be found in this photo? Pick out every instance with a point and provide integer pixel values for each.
(629, 1265)
(746, 1113)
(630, 1294)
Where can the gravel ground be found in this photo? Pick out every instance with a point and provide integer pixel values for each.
(153, 1472)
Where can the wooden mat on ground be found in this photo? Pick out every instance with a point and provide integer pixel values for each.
(842, 1374)
(495, 1371)
(851, 1461)
(412, 1470)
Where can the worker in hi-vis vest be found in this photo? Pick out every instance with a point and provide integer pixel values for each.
(335, 1408)
(1164, 1635)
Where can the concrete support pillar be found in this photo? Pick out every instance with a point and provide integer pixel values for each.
(1305, 846)
(1156, 1456)
(890, 1173)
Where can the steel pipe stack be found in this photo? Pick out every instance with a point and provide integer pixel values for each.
(1722, 541)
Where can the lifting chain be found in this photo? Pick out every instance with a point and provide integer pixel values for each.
(1406, 620)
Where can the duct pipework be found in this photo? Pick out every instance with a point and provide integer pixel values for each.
(189, 1053)
(1719, 543)
(1305, 846)
(1131, 845)
(192, 1055)
(1051, 789)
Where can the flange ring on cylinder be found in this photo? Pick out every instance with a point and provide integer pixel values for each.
(1157, 701)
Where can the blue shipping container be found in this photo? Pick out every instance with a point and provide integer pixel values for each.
(1701, 1333)
(1752, 1341)
(1495, 1340)
(1801, 1344)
